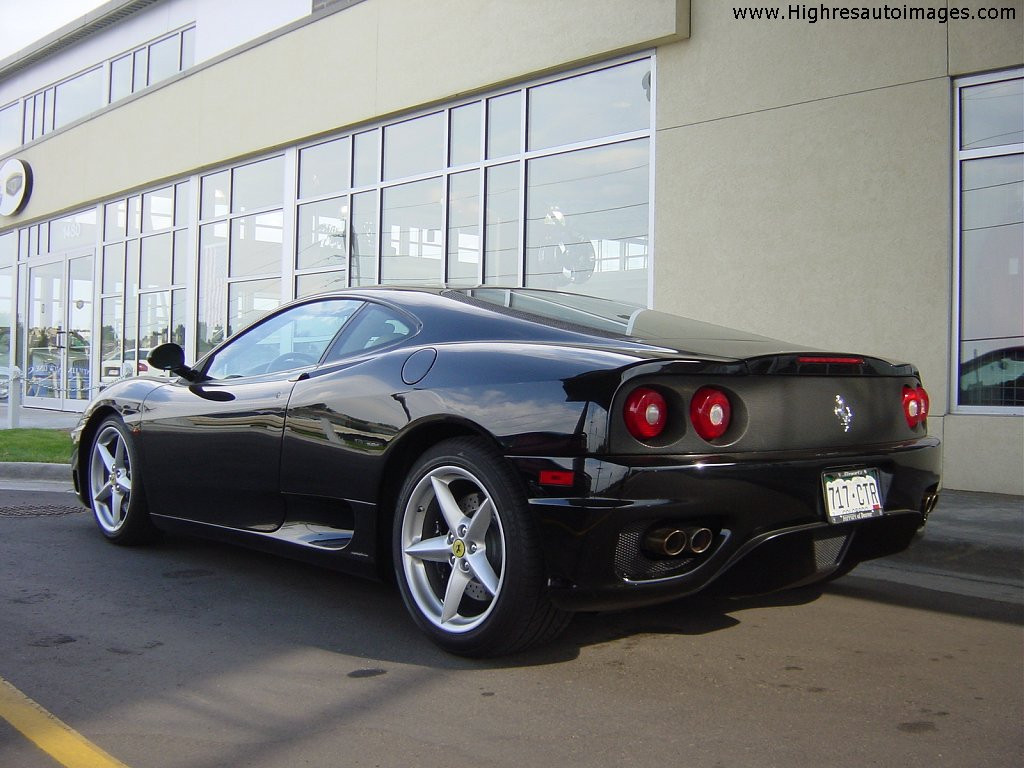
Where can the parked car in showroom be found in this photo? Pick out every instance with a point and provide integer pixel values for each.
(510, 456)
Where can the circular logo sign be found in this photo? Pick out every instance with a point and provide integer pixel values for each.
(15, 186)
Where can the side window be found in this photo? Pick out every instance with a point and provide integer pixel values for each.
(292, 339)
(376, 326)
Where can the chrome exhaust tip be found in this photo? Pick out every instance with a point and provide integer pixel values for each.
(666, 542)
(701, 540)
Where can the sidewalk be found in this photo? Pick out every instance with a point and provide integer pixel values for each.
(39, 418)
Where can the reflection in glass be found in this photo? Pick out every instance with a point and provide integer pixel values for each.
(154, 320)
(256, 244)
(155, 270)
(78, 344)
(115, 218)
(158, 209)
(178, 270)
(602, 103)
(257, 185)
(464, 228)
(214, 195)
(120, 78)
(178, 317)
(501, 258)
(504, 127)
(323, 235)
(411, 233)
(78, 97)
(6, 316)
(587, 216)
(318, 282)
(8, 250)
(248, 301)
(10, 128)
(134, 215)
(111, 330)
(213, 290)
(364, 239)
(163, 59)
(992, 115)
(325, 168)
(366, 159)
(46, 314)
(413, 147)
(992, 281)
(464, 138)
(182, 202)
(131, 267)
(113, 268)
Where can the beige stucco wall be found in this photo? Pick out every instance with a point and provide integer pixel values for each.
(376, 58)
(803, 191)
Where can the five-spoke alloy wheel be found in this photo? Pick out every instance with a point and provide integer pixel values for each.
(466, 555)
(118, 503)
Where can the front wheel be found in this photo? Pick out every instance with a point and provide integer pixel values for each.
(115, 486)
(466, 554)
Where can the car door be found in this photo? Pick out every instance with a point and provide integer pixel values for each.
(213, 447)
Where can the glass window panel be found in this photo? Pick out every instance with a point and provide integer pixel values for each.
(182, 203)
(212, 297)
(113, 268)
(364, 239)
(134, 215)
(139, 67)
(323, 235)
(256, 244)
(10, 128)
(29, 120)
(8, 249)
(79, 336)
(79, 97)
(74, 231)
(465, 135)
(587, 218)
(131, 267)
(154, 321)
(504, 125)
(44, 238)
(6, 317)
(120, 78)
(411, 233)
(991, 115)
(464, 228)
(250, 300)
(48, 110)
(157, 253)
(33, 240)
(115, 220)
(188, 48)
(39, 115)
(111, 338)
(178, 317)
(501, 258)
(257, 185)
(325, 168)
(319, 282)
(604, 103)
(179, 270)
(415, 146)
(158, 209)
(163, 59)
(214, 195)
(366, 159)
(992, 282)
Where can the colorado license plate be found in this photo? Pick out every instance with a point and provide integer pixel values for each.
(851, 495)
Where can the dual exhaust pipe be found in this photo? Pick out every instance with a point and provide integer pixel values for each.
(672, 542)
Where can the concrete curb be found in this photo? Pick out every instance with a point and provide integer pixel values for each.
(28, 470)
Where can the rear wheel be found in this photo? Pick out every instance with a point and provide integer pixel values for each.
(466, 554)
(115, 486)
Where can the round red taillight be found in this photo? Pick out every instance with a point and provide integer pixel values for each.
(915, 406)
(645, 413)
(710, 413)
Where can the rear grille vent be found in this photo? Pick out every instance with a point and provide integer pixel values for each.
(828, 551)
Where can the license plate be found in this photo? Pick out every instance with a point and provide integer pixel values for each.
(851, 495)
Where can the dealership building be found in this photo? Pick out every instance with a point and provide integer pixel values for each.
(843, 176)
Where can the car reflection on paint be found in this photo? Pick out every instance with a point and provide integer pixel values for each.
(511, 456)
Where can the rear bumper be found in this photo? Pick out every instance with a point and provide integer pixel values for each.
(767, 514)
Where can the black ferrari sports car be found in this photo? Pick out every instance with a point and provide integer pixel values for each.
(514, 455)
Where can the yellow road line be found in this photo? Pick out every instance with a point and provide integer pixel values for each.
(63, 744)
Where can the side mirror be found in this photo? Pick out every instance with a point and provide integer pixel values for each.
(171, 357)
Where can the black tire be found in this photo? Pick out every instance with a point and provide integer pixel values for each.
(469, 565)
(117, 498)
